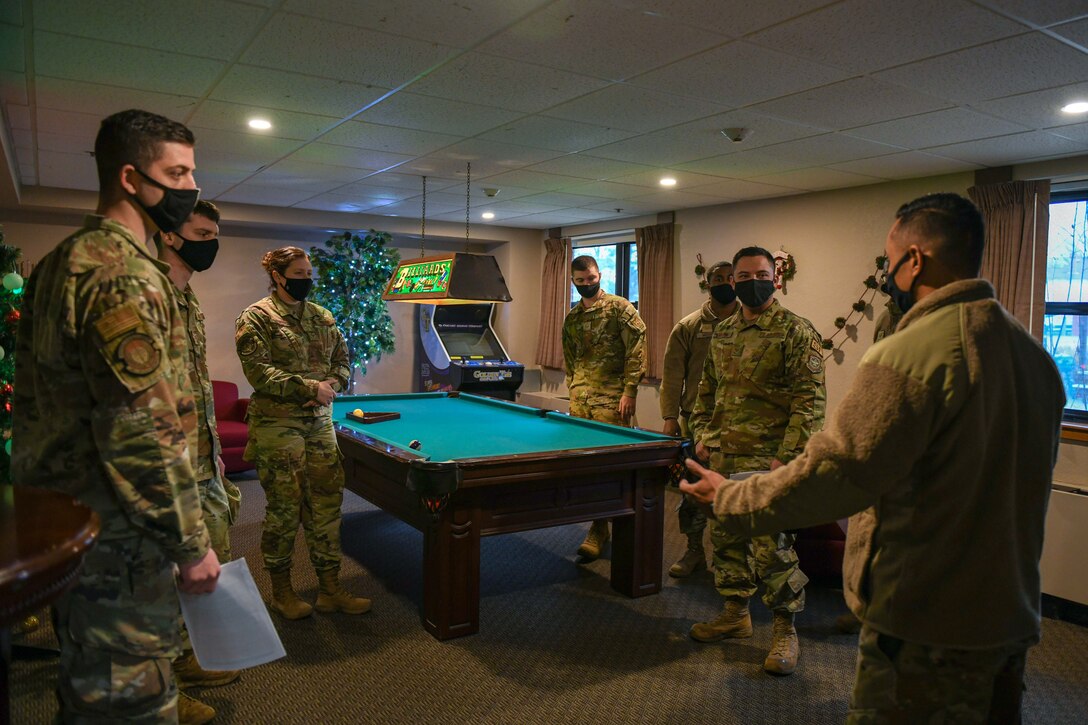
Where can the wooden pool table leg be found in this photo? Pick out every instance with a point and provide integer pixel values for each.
(451, 574)
(637, 539)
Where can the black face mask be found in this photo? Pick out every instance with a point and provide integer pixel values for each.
(754, 293)
(723, 294)
(175, 207)
(903, 299)
(198, 255)
(298, 288)
(588, 290)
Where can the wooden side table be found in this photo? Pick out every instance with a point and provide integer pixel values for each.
(43, 538)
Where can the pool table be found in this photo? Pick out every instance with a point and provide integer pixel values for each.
(489, 467)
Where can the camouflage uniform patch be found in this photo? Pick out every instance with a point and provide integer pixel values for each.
(116, 428)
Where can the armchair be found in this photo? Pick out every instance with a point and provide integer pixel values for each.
(230, 415)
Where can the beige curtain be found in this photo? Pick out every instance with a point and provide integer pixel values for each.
(1017, 215)
(554, 303)
(655, 253)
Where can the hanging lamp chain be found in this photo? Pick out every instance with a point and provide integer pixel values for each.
(423, 220)
(468, 187)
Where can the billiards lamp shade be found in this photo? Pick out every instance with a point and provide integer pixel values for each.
(456, 278)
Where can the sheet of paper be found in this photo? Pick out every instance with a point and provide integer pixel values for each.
(230, 628)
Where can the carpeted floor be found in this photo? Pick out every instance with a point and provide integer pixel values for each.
(556, 645)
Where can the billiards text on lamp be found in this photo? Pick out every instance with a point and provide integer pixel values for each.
(455, 278)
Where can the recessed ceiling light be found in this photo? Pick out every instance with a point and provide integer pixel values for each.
(488, 215)
(668, 181)
(260, 124)
(1077, 107)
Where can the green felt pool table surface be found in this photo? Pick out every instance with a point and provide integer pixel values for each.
(469, 426)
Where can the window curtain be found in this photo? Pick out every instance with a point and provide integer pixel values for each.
(655, 254)
(1017, 215)
(554, 302)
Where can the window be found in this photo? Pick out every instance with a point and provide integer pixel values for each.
(1065, 324)
(617, 259)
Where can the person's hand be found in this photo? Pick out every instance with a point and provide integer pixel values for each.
(325, 393)
(221, 466)
(200, 576)
(775, 463)
(627, 407)
(705, 487)
(672, 427)
(701, 452)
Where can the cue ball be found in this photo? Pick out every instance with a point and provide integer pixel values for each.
(415, 445)
(358, 412)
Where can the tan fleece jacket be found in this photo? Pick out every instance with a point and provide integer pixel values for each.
(943, 450)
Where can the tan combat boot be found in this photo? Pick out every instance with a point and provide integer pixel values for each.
(693, 560)
(595, 540)
(332, 597)
(192, 711)
(734, 622)
(848, 623)
(284, 599)
(785, 647)
(189, 673)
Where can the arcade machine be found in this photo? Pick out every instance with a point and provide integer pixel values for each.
(459, 350)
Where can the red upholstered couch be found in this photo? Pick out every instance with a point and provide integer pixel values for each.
(230, 417)
(820, 549)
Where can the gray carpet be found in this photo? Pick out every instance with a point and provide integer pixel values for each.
(556, 645)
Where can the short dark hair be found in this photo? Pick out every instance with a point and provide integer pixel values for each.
(718, 265)
(583, 263)
(134, 137)
(207, 210)
(754, 252)
(954, 223)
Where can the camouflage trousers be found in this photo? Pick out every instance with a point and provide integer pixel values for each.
(220, 501)
(739, 561)
(904, 682)
(298, 462)
(692, 516)
(118, 632)
(598, 407)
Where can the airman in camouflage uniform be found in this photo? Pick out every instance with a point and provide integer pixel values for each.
(604, 350)
(192, 248)
(295, 358)
(761, 396)
(682, 369)
(104, 412)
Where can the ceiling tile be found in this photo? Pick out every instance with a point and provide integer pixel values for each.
(11, 13)
(666, 200)
(65, 144)
(533, 180)
(440, 115)
(155, 24)
(266, 88)
(324, 153)
(855, 102)
(626, 207)
(266, 194)
(487, 158)
(387, 194)
(235, 117)
(69, 123)
(856, 35)
(634, 109)
(458, 24)
(742, 189)
(1005, 150)
(67, 171)
(738, 74)
(13, 88)
(906, 165)
(940, 127)
(1076, 132)
(611, 189)
(817, 178)
(504, 83)
(651, 179)
(335, 50)
(23, 138)
(560, 199)
(728, 17)
(336, 202)
(587, 167)
(299, 174)
(744, 164)
(1039, 11)
(1041, 109)
(1025, 63)
(265, 148)
(409, 182)
(555, 134)
(80, 59)
(826, 149)
(102, 100)
(12, 50)
(388, 138)
(602, 40)
(1077, 32)
(519, 206)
